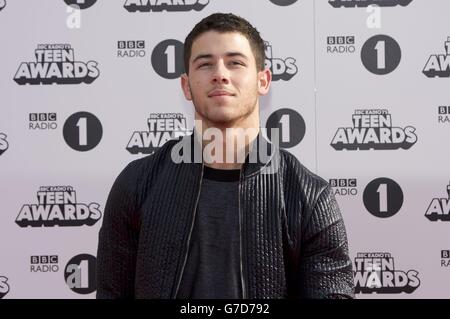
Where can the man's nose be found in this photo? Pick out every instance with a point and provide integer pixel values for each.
(221, 74)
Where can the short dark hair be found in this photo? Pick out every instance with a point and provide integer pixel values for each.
(222, 23)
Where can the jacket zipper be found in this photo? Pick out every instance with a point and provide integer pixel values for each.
(243, 285)
(189, 236)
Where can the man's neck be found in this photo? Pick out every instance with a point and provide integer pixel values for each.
(226, 147)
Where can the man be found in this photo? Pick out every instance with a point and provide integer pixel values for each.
(261, 227)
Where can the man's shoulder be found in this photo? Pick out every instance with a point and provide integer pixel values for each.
(146, 165)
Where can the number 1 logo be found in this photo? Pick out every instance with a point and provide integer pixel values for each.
(383, 197)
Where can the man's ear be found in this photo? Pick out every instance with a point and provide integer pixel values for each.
(185, 86)
(264, 80)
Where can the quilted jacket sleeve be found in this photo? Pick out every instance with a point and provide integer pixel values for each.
(325, 265)
(118, 238)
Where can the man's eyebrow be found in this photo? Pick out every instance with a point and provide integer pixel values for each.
(228, 54)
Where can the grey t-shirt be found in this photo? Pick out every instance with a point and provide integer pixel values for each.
(213, 266)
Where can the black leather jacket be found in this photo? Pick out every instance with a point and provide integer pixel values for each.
(293, 239)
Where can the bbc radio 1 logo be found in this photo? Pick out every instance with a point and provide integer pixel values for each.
(2, 4)
(82, 131)
(376, 273)
(167, 59)
(158, 5)
(58, 206)
(373, 129)
(3, 143)
(288, 125)
(445, 258)
(55, 63)
(4, 286)
(131, 49)
(381, 54)
(283, 3)
(80, 274)
(42, 121)
(282, 69)
(341, 44)
(44, 263)
(366, 3)
(80, 4)
(344, 186)
(383, 197)
(439, 208)
(438, 65)
(444, 114)
(161, 128)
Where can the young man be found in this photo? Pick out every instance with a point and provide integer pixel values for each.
(261, 227)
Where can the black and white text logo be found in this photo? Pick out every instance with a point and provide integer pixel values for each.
(2, 4)
(438, 65)
(58, 206)
(381, 54)
(289, 126)
(344, 186)
(439, 208)
(372, 129)
(445, 258)
(82, 131)
(79, 274)
(366, 3)
(42, 121)
(3, 143)
(383, 197)
(283, 3)
(80, 4)
(282, 69)
(376, 272)
(164, 5)
(55, 63)
(444, 114)
(4, 287)
(340, 44)
(131, 49)
(44, 263)
(161, 128)
(167, 59)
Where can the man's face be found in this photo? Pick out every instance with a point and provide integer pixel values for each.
(223, 82)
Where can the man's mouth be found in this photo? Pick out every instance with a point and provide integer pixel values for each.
(220, 93)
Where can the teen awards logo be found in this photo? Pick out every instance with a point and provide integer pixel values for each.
(340, 44)
(376, 273)
(55, 63)
(58, 206)
(44, 263)
(366, 3)
(4, 287)
(161, 128)
(79, 274)
(3, 143)
(131, 49)
(42, 121)
(439, 208)
(282, 69)
(372, 129)
(438, 65)
(164, 5)
(344, 186)
(444, 114)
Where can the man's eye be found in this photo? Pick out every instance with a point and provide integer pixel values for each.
(203, 65)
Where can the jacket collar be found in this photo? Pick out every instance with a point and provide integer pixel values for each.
(263, 154)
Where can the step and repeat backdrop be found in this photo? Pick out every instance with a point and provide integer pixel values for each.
(360, 93)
